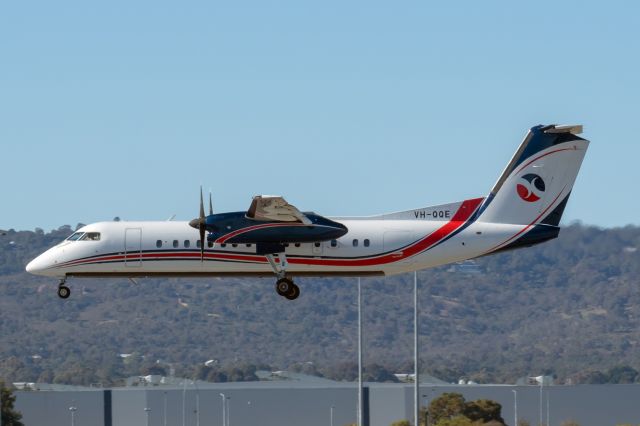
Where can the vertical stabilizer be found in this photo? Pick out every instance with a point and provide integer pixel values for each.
(535, 186)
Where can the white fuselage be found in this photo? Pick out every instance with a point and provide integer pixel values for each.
(381, 245)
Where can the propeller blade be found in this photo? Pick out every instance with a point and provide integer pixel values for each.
(210, 204)
(202, 243)
(201, 226)
(201, 205)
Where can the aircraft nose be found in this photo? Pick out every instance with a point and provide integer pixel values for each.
(36, 266)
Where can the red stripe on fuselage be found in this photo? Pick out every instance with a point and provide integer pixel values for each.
(465, 211)
(461, 217)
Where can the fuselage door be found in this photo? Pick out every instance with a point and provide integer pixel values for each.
(133, 247)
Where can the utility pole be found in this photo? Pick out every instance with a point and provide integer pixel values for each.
(359, 353)
(416, 390)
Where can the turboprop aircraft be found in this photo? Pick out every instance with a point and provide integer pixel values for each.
(273, 237)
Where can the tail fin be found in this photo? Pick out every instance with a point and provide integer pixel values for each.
(535, 186)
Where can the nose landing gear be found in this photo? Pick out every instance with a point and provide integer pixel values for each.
(285, 287)
(63, 291)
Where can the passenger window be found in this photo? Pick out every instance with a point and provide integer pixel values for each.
(209, 244)
(234, 245)
(223, 245)
(187, 243)
(159, 243)
(286, 244)
(366, 242)
(334, 243)
(297, 244)
(248, 245)
(316, 244)
(91, 236)
(355, 242)
(175, 244)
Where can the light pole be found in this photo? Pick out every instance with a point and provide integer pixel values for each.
(197, 407)
(224, 410)
(548, 407)
(73, 415)
(331, 416)
(184, 402)
(359, 353)
(416, 385)
(147, 411)
(515, 407)
(228, 411)
(425, 400)
(164, 408)
(541, 383)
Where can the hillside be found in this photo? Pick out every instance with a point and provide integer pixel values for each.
(569, 307)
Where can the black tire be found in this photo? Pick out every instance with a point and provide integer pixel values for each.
(283, 286)
(64, 292)
(294, 293)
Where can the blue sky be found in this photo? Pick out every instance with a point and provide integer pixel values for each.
(345, 108)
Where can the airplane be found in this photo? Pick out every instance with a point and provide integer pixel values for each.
(522, 209)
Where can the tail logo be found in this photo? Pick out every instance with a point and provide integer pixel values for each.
(530, 187)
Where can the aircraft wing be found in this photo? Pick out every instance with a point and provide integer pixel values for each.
(275, 208)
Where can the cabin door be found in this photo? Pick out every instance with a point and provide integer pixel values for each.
(133, 247)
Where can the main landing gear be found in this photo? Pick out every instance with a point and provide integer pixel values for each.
(285, 286)
(63, 291)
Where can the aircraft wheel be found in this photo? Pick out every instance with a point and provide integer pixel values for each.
(64, 292)
(284, 286)
(294, 293)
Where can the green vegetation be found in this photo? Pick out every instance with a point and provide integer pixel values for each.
(451, 409)
(569, 308)
(9, 417)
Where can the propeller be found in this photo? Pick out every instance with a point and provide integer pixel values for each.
(210, 204)
(200, 224)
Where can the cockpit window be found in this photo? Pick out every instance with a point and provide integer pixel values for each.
(75, 236)
(91, 236)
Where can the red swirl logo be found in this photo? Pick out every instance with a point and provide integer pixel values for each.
(530, 188)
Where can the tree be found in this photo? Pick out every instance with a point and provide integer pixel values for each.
(458, 420)
(622, 374)
(10, 417)
(401, 423)
(484, 410)
(569, 423)
(446, 406)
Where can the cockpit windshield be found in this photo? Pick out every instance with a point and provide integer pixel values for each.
(75, 236)
(84, 236)
(91, 236)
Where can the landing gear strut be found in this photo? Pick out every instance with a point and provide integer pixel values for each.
(285, 286)
(63, 291)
